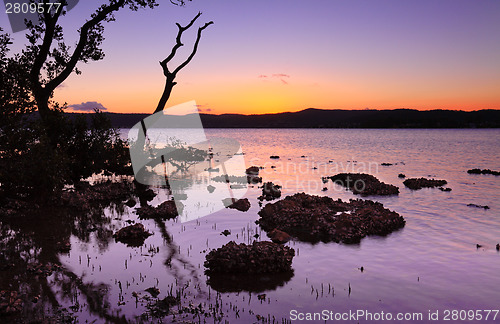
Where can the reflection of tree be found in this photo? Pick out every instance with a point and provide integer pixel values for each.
(29, 252)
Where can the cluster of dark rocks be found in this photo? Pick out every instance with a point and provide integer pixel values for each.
(364, 184)
(314, 218)
(253, 175)
(259, 257)
(478, 206)
(238, 204)
(419, 183)
(133, 235)
(166, 210)
(270, 191)
(483, 171)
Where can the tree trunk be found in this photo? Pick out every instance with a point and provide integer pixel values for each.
(169, 84)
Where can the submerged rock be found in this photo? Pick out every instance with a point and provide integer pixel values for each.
(133, 235)
(278, 236)
(314, 218)
(210, 188)
(478, 206)
(401, 175)
(259, 257)
(484, 171)
(364, 184)
(270, 191)
(253, 170)
(238, 204)
(419, 183)
(165, 210)
(444, 189)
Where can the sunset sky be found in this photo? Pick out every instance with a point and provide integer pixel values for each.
(275, 56)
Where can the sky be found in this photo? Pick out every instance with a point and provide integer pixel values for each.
(275, 56)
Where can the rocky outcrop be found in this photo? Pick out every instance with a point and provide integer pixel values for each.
(314, 218)
(484, 171)
(419, 183)
(238, 204)
(270, 191)
(364, 184)
(165, 210)
(133, 235)
(259, 257)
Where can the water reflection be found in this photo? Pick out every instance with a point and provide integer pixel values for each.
(250, 283)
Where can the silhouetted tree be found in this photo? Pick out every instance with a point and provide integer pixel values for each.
(170, 75)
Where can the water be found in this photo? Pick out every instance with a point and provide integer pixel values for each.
(432, 264)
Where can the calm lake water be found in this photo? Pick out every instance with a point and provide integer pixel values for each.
(432, 264)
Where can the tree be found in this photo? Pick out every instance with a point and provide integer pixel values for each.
(170, 76)
(51, 64)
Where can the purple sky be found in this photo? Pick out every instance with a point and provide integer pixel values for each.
(342, 54)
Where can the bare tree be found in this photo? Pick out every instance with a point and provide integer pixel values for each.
(170, 76)
(51, 63)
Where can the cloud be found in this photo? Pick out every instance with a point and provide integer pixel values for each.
(201, 108)
(280, 76)
(88, 106)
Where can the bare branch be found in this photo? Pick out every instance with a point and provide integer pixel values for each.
(195, 48)
(170, 76)
(178, 44)
(100, 15)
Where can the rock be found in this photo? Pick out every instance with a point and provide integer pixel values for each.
(259, 257)
(270, 191)
(314, 218)
(253, 170)
(401, 175)
(478, 206)
(324, 189)
(240, 204)
(278, 236)
(225, 232)
(478, 246)
(132, 235)
(261, 297)
(274, 157)
(386, 164)
(484, 171)
(419, 183)
(165, 210)
(498, 247)
(364, 184)
(210, 188)
(444, 189)
(253, 179)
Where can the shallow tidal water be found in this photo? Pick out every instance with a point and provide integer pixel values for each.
(431, 265)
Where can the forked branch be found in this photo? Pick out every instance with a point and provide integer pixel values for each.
(170, 76)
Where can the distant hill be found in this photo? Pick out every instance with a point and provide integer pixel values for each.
(322, 118)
